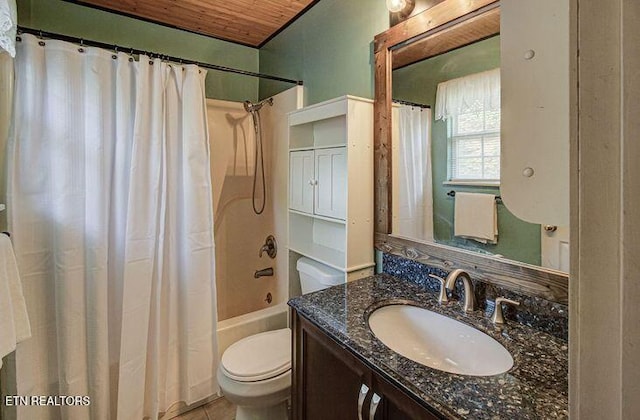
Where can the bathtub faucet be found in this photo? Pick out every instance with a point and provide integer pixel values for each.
(270, 247)
(263, 273)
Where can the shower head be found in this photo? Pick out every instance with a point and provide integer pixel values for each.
(251, 107)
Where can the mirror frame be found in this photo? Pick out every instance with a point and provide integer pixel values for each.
(444, 22)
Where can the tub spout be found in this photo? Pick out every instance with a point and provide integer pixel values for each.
(263, 273)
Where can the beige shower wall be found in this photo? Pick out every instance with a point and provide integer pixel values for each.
(239, 232)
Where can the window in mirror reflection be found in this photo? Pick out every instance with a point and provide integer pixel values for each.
(470, 105)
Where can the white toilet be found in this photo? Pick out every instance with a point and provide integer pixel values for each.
(255, 372)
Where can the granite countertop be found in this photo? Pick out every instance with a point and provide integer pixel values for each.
(535, 388)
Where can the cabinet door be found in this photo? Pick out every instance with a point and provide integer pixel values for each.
(331, 177)
(301, 181)
(396, 405)
(327, 381)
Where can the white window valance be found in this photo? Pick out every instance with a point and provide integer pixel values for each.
(459, 96)
(8, 26)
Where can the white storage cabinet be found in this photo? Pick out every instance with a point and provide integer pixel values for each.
(331, 185)
(318, 181)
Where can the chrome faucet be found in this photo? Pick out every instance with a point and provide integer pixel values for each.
(469, 298)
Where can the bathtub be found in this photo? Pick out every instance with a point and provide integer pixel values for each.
(233, 329)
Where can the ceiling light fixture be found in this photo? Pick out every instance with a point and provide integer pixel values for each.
(396, 5)
(400, 6)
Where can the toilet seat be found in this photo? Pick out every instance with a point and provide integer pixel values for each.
(258, 357)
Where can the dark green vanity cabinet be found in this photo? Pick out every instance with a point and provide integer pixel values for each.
(330, 382)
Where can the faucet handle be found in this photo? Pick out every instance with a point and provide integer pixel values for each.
(270, 247)
(497, 317)
(442, 298)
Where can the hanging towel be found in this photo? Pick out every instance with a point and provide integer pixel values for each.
(14, 323)
(8, 26)
(476, 217)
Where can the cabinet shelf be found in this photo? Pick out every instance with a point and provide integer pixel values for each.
(327, 256)
(315, 216)
(328, 146)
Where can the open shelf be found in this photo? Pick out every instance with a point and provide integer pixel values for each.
(315, 216)
(330, 132)
(322, 239)
(328, 146)
(323, 254)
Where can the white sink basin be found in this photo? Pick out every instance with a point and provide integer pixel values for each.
(439, 342)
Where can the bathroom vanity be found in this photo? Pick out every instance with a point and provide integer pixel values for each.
(342, 371)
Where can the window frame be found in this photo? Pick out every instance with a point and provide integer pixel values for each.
(452, 159)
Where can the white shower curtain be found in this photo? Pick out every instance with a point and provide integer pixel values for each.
(111, 215)
(415, 207)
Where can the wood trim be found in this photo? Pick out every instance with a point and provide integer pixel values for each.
(523, 278)
(459, 35)
(432, 18)
(382, 141)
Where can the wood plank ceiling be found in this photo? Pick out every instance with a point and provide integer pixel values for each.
(246, 22)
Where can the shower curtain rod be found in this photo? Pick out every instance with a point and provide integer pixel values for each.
(401, 102)
(115, 47)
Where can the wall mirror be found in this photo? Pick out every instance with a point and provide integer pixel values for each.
(426, 154)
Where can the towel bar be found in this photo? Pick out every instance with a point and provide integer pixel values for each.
(453, 194)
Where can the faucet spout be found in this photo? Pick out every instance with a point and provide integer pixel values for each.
(469, 295)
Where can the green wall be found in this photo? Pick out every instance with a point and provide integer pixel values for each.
(81, 21)
(330, 48)
(517, 239)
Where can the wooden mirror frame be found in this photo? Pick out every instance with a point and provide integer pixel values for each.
(448, 25)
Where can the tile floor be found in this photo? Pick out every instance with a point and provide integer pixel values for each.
(219, 409)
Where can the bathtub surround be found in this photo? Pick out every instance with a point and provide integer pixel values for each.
(240, 233)
(111, 217)
(536, 386)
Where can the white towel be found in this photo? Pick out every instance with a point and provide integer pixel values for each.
(476, 217)
(8, 26)
(14, 322)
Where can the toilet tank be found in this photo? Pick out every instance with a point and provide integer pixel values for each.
(316, 276)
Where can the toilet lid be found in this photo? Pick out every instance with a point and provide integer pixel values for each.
(258, 357)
